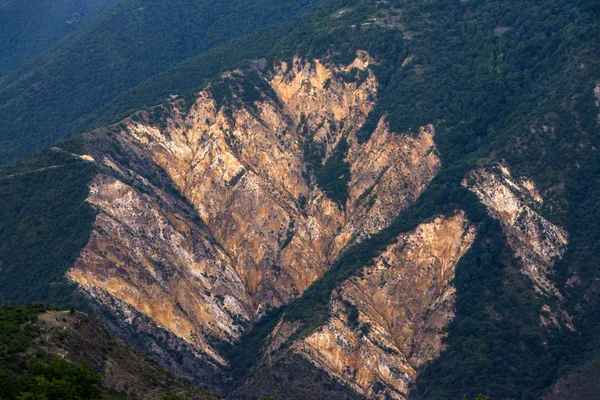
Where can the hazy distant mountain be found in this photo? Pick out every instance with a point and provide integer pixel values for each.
(33, 26)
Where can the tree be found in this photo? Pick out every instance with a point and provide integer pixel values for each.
(61, 380)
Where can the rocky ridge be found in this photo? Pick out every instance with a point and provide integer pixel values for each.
(212, 211)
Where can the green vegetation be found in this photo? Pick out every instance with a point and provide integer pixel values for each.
(17, 332)
(505, 79)
(49, 354)
(237, 90)
(119, 49)
(58, 379)
(333, 177)
(27, 28)
(489, 96)
(44, 223)
(352, 314)
(26, 377)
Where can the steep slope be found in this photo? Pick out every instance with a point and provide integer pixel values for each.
(537, 242)
(45, 221)
(581, 384)
(534, 239)
(78, 338)
(30, 27)
(252, 228)
(388, 321)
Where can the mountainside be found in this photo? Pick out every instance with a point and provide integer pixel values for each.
(272, 192)
(388, 200)
(28, 28)
(580, 384)
(50, 343)
(113, 52)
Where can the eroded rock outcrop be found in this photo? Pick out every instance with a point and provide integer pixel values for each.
(389, 320)
(152, 256)
(534, 239)
(211, 212)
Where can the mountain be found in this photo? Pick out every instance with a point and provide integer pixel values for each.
(370, 200)
(113, 52)
(29, 28)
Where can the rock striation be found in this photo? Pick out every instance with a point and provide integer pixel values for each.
(534, 239)
(211, 211)
(389, 320)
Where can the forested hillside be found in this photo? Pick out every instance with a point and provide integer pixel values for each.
(52, 354)
(114, 52)
(504, 83)
(28, 28)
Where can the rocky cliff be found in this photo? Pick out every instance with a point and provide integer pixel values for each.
(212, 211)
(215, 209)
(534, 239)
(389, 320)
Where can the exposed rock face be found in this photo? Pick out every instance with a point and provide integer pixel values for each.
(211, 213)
(387, 173)
(388, 321)
(534, 239)
(152, 256)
